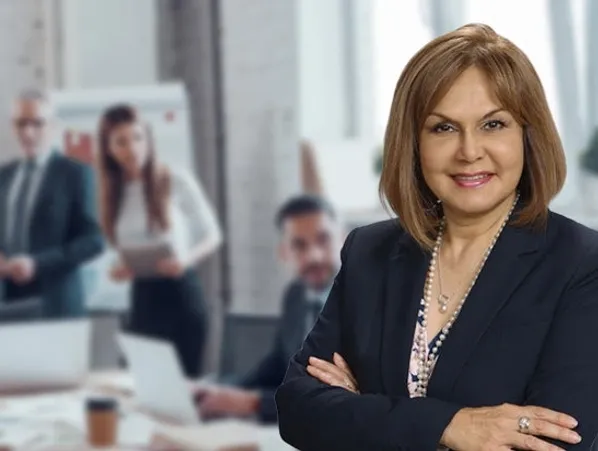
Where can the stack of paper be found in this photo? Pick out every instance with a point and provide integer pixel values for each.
(226, 435)
(117, 382)
(19, 435)
(36, 422)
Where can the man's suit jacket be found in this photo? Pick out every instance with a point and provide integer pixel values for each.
(527, 335)
(269, 373)
(63, 232)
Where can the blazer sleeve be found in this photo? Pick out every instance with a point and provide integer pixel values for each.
(266, 378)
(84, 237)
(315, 416)
(269, 373)
(566, 379)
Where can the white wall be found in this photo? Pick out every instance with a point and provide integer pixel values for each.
(321, 69)
(71, 44)
(259, 67)
(108, 42)
(336, 90)
(24, 35)
(338, 97)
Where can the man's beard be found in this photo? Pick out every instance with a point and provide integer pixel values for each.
(318, 269)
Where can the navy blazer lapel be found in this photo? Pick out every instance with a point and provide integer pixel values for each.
(295, 325)
(46, 184)
(6, 179)
(513, 257)
(404, 288)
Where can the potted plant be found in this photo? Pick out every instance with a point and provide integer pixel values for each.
(589, 174)
(589, 158)
(378, 159)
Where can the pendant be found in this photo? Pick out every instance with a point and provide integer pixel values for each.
(443, 301)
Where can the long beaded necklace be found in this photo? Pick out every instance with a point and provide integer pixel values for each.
(427, 357)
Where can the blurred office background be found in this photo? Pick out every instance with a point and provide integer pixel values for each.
(282, 91)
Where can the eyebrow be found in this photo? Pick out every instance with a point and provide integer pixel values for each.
(486, 116)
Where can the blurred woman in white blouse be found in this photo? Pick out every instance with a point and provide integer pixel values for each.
(143, 203)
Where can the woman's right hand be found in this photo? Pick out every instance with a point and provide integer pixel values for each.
(497, 428)
(120, 273)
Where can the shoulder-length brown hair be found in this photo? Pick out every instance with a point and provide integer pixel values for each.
(155, 178)
(425, 80)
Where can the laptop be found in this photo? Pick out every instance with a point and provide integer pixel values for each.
(160, 385)
(44, 354)
(24, 310)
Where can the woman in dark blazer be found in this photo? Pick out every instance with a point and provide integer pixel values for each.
(471, 325)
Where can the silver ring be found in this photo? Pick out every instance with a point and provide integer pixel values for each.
(524, 423)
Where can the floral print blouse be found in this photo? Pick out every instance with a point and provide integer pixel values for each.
(412, 378)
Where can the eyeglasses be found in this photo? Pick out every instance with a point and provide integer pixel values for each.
(26, 122)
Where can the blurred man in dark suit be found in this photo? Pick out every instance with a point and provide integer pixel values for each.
(48, 226)
(310, 242)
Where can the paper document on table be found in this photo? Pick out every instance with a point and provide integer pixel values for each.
(224, 435)
(213, 436)
(35, 421)
(120, 382)
(63, 406)
(136, 428)
(19, 435)
(41, 421)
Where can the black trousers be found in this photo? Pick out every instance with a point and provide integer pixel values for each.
(172, 310)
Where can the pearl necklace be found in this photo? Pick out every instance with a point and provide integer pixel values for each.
(426, 361)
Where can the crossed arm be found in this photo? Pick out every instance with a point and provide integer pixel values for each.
(319, 405)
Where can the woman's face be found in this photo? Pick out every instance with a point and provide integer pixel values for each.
(128, 145)
(471, 150)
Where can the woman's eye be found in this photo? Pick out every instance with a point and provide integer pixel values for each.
(443, 128)
(494, 125)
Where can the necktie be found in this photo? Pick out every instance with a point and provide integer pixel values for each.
(20, 232)
(313, 311)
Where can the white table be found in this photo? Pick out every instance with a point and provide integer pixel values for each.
(56, 421)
